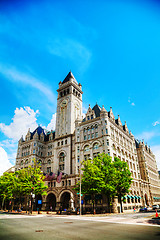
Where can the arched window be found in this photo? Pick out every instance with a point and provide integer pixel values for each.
(26, 162)
(21, 162)
(49, 162)
(96, 146)
(86, 148)
(40, 161)
(61, 161)
(96, 126)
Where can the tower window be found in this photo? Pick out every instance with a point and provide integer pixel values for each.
(61, 161)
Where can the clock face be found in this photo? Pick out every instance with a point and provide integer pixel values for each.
(64, 103)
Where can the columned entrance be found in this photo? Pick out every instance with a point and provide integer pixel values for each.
(51, 202)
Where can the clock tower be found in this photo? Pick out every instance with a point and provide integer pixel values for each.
(69, 105)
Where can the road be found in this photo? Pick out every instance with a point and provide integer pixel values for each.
(38, 227)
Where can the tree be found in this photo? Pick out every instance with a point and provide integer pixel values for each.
(22, 183)
(7, 187)
(101, 175)
(123, 178)
(98, 177)
(31, 181)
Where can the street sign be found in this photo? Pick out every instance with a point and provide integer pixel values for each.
(39, 201)
(82, 202)
(78, 193)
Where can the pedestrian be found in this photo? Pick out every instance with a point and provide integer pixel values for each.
(51, 208)
(60, 209)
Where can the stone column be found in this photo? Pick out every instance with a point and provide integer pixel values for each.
(115, 205)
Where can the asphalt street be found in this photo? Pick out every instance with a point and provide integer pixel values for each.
(69, 228)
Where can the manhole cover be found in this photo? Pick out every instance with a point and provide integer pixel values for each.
(39, 231)
(68, 222)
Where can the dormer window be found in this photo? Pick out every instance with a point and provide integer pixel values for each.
(88, 118)
(91, 116)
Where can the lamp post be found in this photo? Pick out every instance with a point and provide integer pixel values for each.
(80, 199)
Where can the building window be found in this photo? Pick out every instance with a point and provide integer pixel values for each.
(54, 183)
(34, 144)
(21, 162)
(48, 170)
(62, 183)
(107, 142)
(40, 162)
(86, 148)
(58, 143)
(49, 162)
(62, 143)
(78, 149)
(49, 184)
(105, 122)
(66, 141)
(61, 161)
(96, 134)
(91, 116)
(34, 151)
(106, 131)
(92, 135)
(102, 131)
(69, 182)
(88, 118)
(78, 139)
(96, 126)
(96, 146)
(89, 136)
(85, 137)
(78, 159)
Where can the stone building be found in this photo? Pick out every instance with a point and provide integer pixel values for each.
(76, 138)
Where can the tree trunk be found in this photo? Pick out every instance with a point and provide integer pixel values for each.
(120, 200)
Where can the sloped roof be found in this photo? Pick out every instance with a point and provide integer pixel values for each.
(39, 130)
(68, 77)
(97, 110)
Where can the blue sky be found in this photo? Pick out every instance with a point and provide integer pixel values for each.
(112, 48)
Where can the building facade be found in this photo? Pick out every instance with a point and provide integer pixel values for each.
(78, 138)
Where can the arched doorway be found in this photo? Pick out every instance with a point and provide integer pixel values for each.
(65, 199)
(146, 199)
(51, 202)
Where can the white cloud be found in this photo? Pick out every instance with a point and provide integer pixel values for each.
(23, 119)
(146, 135)
(4, 162)
(133, 104)
(156, 150)
(156, 123)
(12, 74)
(52, 124)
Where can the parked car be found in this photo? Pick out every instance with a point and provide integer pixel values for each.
(145, 209)
(155, 206)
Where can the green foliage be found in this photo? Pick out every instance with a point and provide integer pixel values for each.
(101, 175)
(22, 183)
(123, 177)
